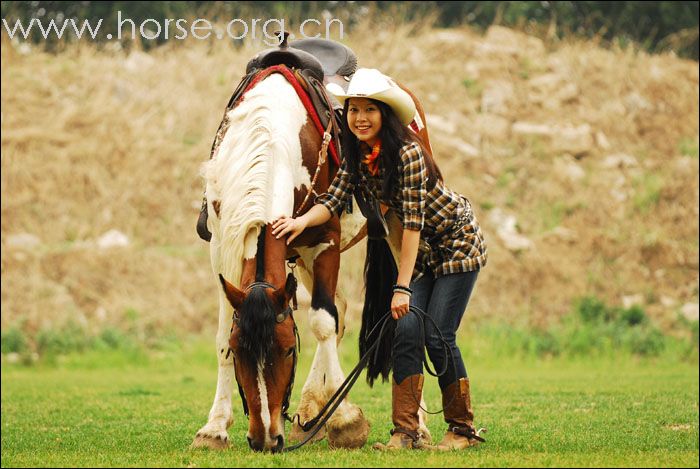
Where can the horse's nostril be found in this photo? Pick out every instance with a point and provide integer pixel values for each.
(280, 444)
(253, 445)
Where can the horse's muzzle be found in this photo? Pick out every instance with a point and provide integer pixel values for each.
(260, 446)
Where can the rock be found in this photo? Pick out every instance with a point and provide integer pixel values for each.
(567, 167)
(506, 229)
(667, 301)
(690, 311)
(528, 128)
(13, 357)
(576, 140)
(497, 97)
(441, 123)
(113, 238)
(138, 61)
(508, 41)
(568, 92)
(461, 147)
(601, 140)
(23, 241)
(636, 102)
(491, 126)
(567, 138)
(631, 300)
(619, 160)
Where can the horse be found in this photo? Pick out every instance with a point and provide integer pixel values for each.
(262, 169)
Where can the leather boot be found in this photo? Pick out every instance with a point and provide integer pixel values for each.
(456, 402)
(405, 400)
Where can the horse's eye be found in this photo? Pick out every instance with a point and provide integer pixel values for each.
(290, 352)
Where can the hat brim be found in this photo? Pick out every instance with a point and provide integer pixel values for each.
(400, 102)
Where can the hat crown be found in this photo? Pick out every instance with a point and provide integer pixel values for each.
(367, 82)
(371, 83)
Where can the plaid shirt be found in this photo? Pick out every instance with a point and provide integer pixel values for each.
(451, 239)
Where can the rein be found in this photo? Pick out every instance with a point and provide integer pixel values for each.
(315, 424)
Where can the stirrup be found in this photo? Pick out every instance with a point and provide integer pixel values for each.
(202, 229)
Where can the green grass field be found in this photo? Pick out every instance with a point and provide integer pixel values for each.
(134, 408)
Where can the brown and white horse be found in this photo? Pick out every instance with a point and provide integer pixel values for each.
(262, 170)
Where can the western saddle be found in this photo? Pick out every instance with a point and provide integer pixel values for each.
(315, 62)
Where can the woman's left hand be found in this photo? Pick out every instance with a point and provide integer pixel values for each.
(400, 303)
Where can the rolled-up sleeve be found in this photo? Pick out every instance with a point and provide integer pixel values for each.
(413, 190)
(339, 191)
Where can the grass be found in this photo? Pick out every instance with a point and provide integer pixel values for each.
(108, 408)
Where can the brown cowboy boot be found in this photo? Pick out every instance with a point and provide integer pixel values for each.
(405, 399)
(456, 402)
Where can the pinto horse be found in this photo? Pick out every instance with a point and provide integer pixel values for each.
(262, 169)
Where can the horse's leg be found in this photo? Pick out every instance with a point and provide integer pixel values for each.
(347, 428)
(214, 434)
(312, 396)
(394, 238)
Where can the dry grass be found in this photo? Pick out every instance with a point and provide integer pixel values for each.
(94, 140)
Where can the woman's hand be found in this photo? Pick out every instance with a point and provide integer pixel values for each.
(399, 305)
(288, 225)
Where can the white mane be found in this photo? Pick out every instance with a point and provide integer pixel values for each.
(255, 170)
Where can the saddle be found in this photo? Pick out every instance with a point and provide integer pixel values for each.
(315, 62)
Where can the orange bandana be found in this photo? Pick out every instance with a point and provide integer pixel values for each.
(372, 160)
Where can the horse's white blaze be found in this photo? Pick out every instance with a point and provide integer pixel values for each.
(264, 405)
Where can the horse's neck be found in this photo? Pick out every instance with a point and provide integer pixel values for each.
(274, 257)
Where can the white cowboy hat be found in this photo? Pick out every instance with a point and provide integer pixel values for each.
(371, 83)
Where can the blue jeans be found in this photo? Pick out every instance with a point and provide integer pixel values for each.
(444, 300)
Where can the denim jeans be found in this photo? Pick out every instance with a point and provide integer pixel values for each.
(444, 300)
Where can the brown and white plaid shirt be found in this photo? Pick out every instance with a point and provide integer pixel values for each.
(451, 239)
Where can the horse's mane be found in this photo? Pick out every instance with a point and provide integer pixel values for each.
(253, 158)
(257, 325)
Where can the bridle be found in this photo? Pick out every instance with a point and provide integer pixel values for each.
(279, 318)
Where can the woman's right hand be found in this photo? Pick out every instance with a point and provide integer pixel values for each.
(288, 225)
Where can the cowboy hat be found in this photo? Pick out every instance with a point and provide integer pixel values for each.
(371, 83)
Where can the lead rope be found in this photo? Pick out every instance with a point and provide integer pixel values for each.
(315, 424)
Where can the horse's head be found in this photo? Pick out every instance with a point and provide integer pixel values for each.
(264, 345)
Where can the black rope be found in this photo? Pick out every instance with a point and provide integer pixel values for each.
(315, 424)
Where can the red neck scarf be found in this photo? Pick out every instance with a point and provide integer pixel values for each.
(372, 159)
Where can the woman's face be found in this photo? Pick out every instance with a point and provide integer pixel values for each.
(364, 120)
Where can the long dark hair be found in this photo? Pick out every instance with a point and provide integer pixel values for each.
(393, 135)
(380, 267)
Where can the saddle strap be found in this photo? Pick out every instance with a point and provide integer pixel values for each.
(322, 155)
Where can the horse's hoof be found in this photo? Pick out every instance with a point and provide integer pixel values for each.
(348, 431)
(424, 434)
(218, 441)
(298, 435)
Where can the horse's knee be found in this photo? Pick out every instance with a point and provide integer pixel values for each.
(322, 324)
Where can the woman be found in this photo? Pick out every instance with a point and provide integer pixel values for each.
(442, 248)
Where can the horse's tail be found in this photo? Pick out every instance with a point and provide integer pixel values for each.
(380, 270)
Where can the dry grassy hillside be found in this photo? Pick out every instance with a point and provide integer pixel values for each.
(581, 163)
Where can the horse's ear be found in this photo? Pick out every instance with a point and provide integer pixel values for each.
(285, 293)
(234, 295)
